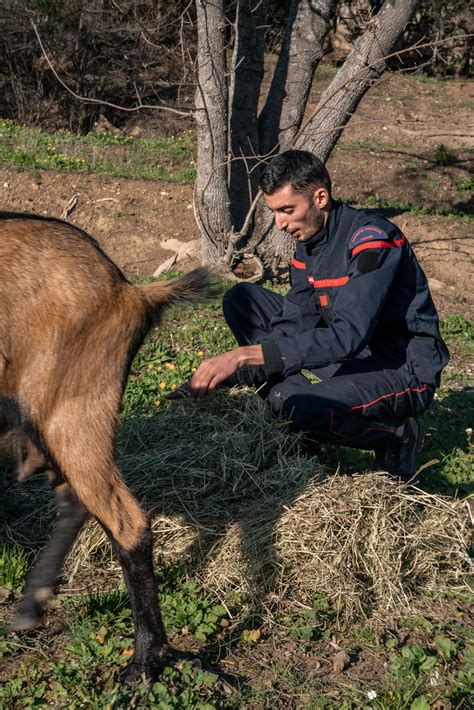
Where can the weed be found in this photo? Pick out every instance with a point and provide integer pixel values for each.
(186, 609)
(13, 566)
(465, 183)
(26, 691)
(314, 623)
(458, 326)
(443, 156)
(413, 661)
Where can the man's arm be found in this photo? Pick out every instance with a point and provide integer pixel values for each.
(356, 310)
(215, 370)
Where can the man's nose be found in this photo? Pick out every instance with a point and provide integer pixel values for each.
(281, 221)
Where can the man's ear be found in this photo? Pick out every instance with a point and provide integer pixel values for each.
(321, 197)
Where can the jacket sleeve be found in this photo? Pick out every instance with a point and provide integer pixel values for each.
(355, 312)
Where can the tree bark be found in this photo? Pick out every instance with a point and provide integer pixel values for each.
(302, 49)
(246, 78)
(212, 201)
(362, 67)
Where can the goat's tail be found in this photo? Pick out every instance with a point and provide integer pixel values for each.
(197, 285)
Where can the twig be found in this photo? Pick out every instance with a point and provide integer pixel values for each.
(103, 102)
(71, 205)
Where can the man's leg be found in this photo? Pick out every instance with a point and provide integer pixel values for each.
(358, 408)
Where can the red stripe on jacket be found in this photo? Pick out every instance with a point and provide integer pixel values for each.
(298, 264)
(327, 283)
(380, 245)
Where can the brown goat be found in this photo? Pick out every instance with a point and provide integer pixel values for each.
(70, 325)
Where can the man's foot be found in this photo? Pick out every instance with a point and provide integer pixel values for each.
(379, 460)
(401, 461)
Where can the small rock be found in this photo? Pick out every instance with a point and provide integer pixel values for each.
(136, 132)
(103, 125)
(165, 266)
(340, 661)
(5, 594)
(436, 285)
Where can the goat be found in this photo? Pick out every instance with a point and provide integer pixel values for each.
(70, 325)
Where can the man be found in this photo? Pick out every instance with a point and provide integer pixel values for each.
(358, 317)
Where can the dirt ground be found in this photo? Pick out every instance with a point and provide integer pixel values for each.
(390, 151)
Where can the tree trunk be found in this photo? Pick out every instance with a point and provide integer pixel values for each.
(362, 67)
(222, 187)
(302, 49)
(212, 201)
(246, 78)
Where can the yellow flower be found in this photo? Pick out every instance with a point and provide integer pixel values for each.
(193, 369)
(157, 402)
(150, 366)
(158, 369)
(162, 385)
(170, 366)
(173, 387)
(200, 353)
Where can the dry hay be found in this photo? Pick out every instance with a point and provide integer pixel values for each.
(230, 495)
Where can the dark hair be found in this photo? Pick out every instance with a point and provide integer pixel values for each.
(302, 169)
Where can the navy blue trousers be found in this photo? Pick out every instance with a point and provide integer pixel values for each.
(361, 403)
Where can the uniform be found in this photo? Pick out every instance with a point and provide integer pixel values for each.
(359, 316)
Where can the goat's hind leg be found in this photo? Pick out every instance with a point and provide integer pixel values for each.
(42, 579)
(92, 473)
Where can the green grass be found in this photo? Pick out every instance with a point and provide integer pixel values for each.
(165, 361)
(427, 658)
(407, 206)
(13, 566)
(104, 154)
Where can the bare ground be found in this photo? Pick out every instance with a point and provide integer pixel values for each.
(390, 151)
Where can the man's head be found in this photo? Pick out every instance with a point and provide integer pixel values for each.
(297, 188)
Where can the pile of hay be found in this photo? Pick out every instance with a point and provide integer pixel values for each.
(231, 496)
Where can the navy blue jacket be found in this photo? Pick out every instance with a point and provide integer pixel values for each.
(356, 283)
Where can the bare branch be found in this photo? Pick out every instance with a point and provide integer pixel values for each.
(102, 102)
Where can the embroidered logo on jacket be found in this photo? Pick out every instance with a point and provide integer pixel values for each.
(365, 234)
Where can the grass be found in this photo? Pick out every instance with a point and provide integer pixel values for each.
(261, 659)
(428, 657)
(170, 159)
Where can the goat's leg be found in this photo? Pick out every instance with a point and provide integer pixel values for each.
(42, 579)
(85, 455)
(150, 638)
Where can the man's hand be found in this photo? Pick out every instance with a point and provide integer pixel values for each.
(215, 370)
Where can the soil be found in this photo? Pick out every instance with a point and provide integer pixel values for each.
(390, 151)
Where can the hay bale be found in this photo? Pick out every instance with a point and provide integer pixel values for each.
(230, 495)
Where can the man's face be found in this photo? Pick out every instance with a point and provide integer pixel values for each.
(296, 213)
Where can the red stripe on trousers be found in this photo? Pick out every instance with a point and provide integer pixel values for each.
(384, 396)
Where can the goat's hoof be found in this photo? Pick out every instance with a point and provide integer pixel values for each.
(136, 672)
(25, 621)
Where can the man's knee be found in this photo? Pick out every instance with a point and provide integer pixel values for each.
(236, 298)
(287, 400)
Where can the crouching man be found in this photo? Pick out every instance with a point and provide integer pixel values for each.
(359, 316)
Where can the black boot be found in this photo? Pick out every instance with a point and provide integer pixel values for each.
(401, 461)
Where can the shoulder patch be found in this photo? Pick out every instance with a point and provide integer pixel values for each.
(368, 234)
